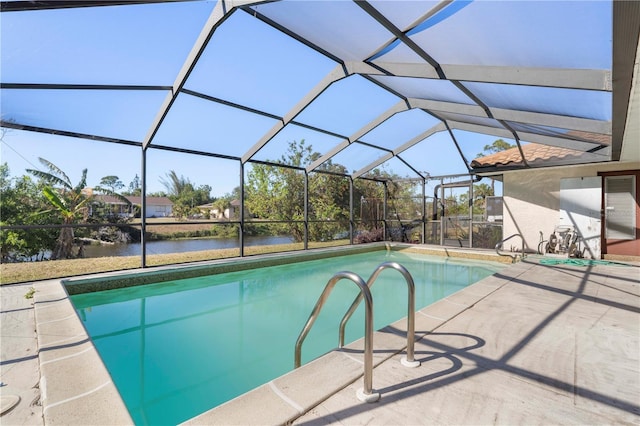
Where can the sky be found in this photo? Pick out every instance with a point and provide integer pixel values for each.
(21, 150)
(246, 62)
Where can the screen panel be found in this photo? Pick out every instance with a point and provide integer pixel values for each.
(570, 102)
(247, 61)
(123, 114)
(283, 147)
(400, 128)
(423, 88)
(340, 27)
(202, 125)
(347, 105)
(132, 44)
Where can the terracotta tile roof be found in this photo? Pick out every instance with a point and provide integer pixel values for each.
(590, 137)
(533, 152)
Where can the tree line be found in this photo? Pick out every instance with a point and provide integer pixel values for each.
(47, 196)
(274, 203)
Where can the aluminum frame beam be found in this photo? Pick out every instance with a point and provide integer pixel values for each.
(582, 79)
(336, 74)
(525, 117)
(66, 86)
(404, 38)
(626, 28)
(552, 120)
(601, 81)
(217, 16)
(18, 6)
(398, 107)
(413, 141)
(443, 106)
(46, 130)
(222, 10)
(528, 137)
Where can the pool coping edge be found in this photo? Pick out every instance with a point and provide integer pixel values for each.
(68, 344)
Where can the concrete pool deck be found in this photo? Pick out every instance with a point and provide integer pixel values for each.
(532, 344)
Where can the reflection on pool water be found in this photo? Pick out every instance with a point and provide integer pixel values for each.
(178, 348)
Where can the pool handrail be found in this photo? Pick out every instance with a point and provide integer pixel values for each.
(512, 256)
(365, 394)
(407, 360)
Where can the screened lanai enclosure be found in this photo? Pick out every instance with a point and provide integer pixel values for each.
(304, 123)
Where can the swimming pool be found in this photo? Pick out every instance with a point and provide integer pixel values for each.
(178, 348)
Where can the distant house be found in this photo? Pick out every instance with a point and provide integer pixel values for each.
(234, 210)
(156, 206)
(208, 211)
(110, 205)
(231, 212)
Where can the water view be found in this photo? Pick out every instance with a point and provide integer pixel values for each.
(178, 246)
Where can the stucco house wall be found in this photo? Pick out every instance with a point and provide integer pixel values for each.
(154, 210)
(532, 199)
(156, 206)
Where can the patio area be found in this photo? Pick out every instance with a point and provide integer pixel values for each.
(532, 344)
(457, 123)
(553, 345)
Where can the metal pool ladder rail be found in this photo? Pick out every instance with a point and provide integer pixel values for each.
(366, 393)
(407, 360)
(512, 256)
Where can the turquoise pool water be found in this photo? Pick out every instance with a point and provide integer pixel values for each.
(178, 348)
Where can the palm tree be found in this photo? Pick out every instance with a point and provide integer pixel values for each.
(222, 204)
(498, 145)
(480, 193)
(69, 201)
(176, 185)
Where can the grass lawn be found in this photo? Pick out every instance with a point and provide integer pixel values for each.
(168, 228)
(11, 273)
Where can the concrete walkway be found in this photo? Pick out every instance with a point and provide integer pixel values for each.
(533, 344)
(19, 366)
(555, 345)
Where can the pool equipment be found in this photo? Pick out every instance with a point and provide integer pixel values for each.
(563, 240)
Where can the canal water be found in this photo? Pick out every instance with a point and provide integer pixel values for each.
(179, 246)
